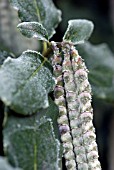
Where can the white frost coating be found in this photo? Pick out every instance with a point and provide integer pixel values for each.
(28, 23)
(49, 21)
(78, 31)
(16, 8)
(31, 51)
(35, 35)
(7, 102)
(7, 60)
(46, 104)
(33, 29)
(58, 144)
(81, 21)
(43, 120)
(20, 79)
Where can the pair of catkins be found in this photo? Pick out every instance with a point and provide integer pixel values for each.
(73, 97)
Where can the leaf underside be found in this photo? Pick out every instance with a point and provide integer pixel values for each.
(25, 83)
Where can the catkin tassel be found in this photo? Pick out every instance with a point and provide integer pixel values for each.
(73, 109)
(73, 97)
(59, 94)
(85, 110)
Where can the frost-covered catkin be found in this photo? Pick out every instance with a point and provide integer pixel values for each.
(73, 109)
(59, 94)
(83, 93)
(73, 97)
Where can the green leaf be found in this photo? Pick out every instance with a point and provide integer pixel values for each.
(25, 83)
(42, 11)
(78, 31)
(4, 165)
(33, 29)
(100, 62)
(31, 141)
(51, 112)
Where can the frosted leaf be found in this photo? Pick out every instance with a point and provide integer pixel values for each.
(78, 31)
(25, 83)
(33, 29)
(42, 11)
(30, 145)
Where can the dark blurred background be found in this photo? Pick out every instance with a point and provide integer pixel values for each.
(101, 12)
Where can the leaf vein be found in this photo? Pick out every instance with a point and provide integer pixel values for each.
(37, 11)
(31, 76)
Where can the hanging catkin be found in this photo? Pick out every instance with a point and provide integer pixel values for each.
(85, 110)
(73, 109)
(59, 94)
(73, 97)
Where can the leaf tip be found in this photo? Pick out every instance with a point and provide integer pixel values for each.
(78, 31)
(33, 30)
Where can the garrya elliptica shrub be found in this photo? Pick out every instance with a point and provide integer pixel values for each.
(37, 130)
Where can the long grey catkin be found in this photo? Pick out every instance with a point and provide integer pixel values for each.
(59, 94)
(73, 109)
(83, 92)
(73, 97)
